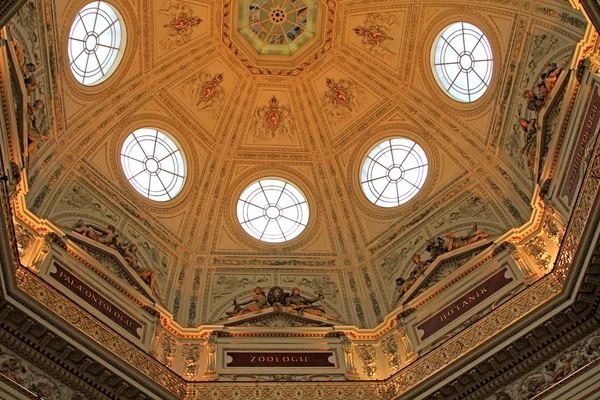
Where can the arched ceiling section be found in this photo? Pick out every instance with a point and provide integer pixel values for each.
(185, 71)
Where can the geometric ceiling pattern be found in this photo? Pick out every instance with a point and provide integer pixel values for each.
(242, 111)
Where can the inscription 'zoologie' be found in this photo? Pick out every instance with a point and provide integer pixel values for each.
(279, 359)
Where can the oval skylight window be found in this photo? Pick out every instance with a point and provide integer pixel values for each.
(153, 164)
(463, 62)
(393, 172)
(272, 210)
(96, 43)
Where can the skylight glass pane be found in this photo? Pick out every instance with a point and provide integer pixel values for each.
(393, 172)
(462, 61)
(272, 210)
(95, 43)
(155, 168)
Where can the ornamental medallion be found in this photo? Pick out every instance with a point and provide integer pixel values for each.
(272, 120)
(341, 98)
(375, 32)
(206, 92)
(181, 25)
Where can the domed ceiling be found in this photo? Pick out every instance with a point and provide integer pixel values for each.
(299, 91)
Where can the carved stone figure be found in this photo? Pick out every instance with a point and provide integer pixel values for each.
(536, 98)
(472, 237)
(405, 285)
(306, 305)
(436, 247)
(529, 127)
(25, 67)
(256, 303)
(35, 132)
(96, 233)
(550, 77)
(108, 237)
(277, 298)
(420, 266)
(418, 271)
(280, 300)
(148, 275)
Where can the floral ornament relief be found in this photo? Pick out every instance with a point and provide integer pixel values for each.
(272, 120)
(390, 350)
(368, 356)
(341, 99)
(181, 25)
(559, 367)
(375, 33)
(33, 378)
(206, 92)
(536, 248)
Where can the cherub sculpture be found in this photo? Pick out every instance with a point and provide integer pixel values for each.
(256, 303)
(306, 305)
(341, 98)
(181, 24)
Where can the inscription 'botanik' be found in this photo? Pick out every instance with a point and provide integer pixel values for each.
(465, 304)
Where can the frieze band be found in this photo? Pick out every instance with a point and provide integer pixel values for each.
(467, 302)
(96, 300)
(280, 359)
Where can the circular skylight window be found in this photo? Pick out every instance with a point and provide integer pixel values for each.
(393, 172)
(153, 164)
(273, 210)
(95, 43)
(462, 61)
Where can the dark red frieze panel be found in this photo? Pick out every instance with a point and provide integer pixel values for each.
(464, 304)
(96, 300)
(280, 359)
